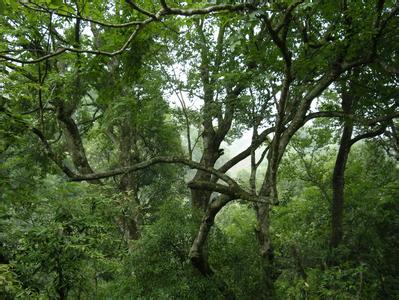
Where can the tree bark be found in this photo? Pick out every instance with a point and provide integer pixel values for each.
(200, 198)
(197, 255)
(128, 183)
(74, 141)
(65, 111)
(196, 252)
(338, 179)
(265, 248)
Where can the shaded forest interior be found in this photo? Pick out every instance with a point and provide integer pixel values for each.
(238, 149)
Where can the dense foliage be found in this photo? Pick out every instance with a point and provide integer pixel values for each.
(199, 149)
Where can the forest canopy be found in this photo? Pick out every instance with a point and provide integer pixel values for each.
(169, 149)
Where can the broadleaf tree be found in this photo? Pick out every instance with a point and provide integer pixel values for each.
(88, 83)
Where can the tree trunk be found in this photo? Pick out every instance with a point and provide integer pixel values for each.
(197, 256)
(128, 182)
(196, 252)
(265, 248)
(268, 193)
(65, 111)
(74, 143)
(338, 183)
(200, 198)
(338, 180)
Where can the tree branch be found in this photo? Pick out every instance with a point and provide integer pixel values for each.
(83, 18)
(52, 155)
(206, 10)
(370, 134)
(141, 10)
(244, 154)
(152, 17)
(156, 160)
(75, 50)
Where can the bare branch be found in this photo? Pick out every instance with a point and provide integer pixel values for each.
(75, 50)
(43, 9)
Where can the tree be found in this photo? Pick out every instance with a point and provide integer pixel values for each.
(355, 101)
(277, 58)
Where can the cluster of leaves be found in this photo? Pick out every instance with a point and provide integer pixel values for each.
(57, 238)
(367, 263)
(158, 267)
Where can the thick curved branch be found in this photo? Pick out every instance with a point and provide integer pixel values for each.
(211, 187)
(325, 114)
(362, 121)
(235, 192)
(383, 118)
(244, 154)
(153, 161)
(370, 134)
